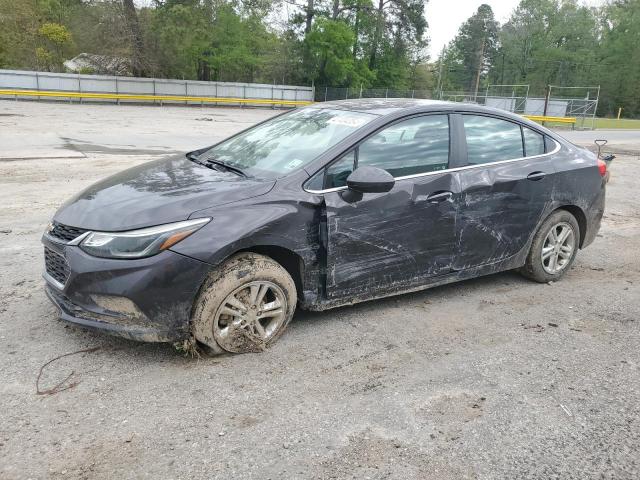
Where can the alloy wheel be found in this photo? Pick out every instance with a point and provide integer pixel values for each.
(558, 248)
(253, 312)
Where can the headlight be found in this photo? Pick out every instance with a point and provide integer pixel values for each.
(139, 243)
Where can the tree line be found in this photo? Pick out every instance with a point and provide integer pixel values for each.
(328, 42)
(551, 42)
(337, 43)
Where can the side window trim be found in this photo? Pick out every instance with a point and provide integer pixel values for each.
(456, 138)
(440, 172)
(547, 139)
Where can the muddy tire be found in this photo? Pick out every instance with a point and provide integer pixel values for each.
(244, 305)
(553, 249)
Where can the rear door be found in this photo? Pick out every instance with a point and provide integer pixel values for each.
(384, 240)
(505, 188)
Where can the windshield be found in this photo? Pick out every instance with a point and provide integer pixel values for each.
(286, 143)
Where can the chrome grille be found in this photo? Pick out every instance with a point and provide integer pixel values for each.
(65, 232)
(56, 266)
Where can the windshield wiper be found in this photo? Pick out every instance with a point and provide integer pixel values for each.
(225, 165)
(213, 161)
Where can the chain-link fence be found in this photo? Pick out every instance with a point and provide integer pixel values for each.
(326, 94)
(578, 102)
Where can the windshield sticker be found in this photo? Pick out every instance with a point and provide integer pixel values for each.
(347, 121)
(295, 163)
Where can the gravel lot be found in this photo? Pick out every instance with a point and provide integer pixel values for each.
(494, 378)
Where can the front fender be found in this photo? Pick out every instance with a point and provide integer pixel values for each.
(288, 224)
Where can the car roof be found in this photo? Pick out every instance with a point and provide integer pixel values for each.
(398, 106)
(382, 106)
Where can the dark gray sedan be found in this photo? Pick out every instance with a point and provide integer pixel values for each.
(319, 207)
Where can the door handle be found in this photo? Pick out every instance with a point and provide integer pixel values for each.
(535, 176)
(439, 197)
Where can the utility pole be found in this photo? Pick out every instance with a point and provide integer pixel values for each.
(439, 88)
(547, 94)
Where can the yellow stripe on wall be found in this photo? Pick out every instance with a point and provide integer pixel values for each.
(127, 96)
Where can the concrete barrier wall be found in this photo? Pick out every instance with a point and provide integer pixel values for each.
(80, 83)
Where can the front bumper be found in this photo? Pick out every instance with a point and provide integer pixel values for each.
(147, 299)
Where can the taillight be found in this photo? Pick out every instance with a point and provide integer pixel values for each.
(602, 167)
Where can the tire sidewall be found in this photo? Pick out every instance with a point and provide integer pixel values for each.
(234, 273)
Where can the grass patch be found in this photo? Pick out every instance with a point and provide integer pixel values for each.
(622, 123)
(600, 123)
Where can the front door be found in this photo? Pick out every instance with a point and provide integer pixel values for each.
(504, 193)
(387, 240)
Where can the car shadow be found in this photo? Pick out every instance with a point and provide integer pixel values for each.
(303, 318)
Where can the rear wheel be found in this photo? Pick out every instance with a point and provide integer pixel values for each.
(245, 305)
(554, 248)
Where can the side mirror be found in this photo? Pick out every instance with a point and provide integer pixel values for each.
(370, 180)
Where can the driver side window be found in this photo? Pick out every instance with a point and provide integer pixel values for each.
(409, 147)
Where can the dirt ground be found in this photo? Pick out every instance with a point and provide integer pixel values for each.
(493, 378)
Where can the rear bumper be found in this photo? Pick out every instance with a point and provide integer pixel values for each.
(594, 216)
(147, 299)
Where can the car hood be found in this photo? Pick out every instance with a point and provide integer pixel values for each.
(157, 192)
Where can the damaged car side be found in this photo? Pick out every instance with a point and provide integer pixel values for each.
(324, 206)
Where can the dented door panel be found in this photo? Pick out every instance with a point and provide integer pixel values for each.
(393, 238)
(499, 209)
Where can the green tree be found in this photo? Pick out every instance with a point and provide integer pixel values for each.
(471, 53)
(56, 41)
(18, 33)
(180, 36)
(335, 42)
(547, 42)
(399, 24)
(330, 44)
(211, 41)
(619, 58)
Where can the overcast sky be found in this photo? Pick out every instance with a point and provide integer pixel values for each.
(446, 16)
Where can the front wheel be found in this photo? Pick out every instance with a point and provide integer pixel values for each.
(245, 305)
(554, 248)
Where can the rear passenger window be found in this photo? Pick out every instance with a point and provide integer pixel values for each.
(533, 142)
(491, 139)
(549, 144)
(413, 146)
